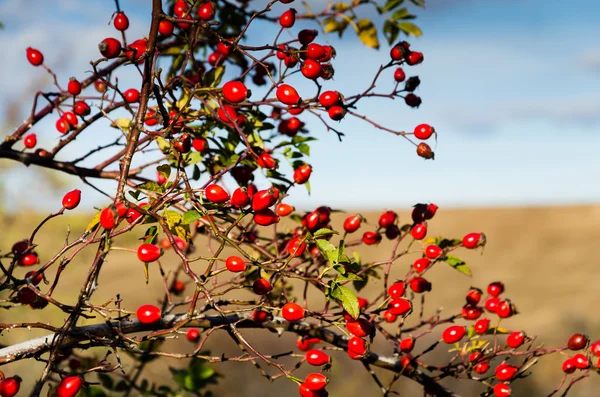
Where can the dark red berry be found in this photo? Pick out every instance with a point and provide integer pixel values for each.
(261, 286)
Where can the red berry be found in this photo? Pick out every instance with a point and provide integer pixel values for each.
(423, 131)
(491, 304)
(581, 361)
(371, 238)
(505, 309)
(30, 141)
(317, 357)
(69, 386)
(74, 86)
(200, 144)
(29, 259)
(407, 344)
(336, 113)
(265, 217)
(473, 240)
(352, 223)
(595, 348)
(433, 251)
(235, 264)
(311, 69)
(361, 327)
(329, 98)
(81, 108)
(100, 86)
(329, 53)
(206, 11)
(357, 346)
(474, 296)
(389, 317)
(419, 231)
(9, 387)
(35, 281)
(121, 21)
(265, 160)
(302, 174)
(110, 48)
(216, 194)
(399, 50)
(296, 246)
(288, 18)
(495, 288)
(62, 126)
(259, 316)
(502, 390)
(569, 366)
(303, 390)
(263, 199)
(148, 253)
(261, 286)
(481, 326)
(35, 57)
(148, 314)
(235, 91)
(166, 28)
(284, 209)
(292, 312)
(505, 372)
(315, 381)
(419, 285)
(471, 312)
(136, 50)
(396, 290)
(421, 264)
(72, 199)
(133, 214)
(414, 58)
(578, 342)
(388, 218)
(287, 94)
(454, 334)
(240, 198)
(305, 344)
(400, 307)
(515, 339)
(481, 368)
(70, 118)
(193, 335)
(399, 75)
(132, 95)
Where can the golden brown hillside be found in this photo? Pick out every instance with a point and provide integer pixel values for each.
(546, 257)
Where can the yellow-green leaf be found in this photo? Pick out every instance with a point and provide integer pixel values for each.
(122, 124)
(93, 223)
(367, 33)
(410, 28)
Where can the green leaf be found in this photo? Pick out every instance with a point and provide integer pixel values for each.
(151, 235)
(196, 173)
(331, 25)
(329, 250)
(340, 7)
(164, 170)
(191, 217)
(391, 4)
(410, 28)
(213, 77)
(172, 218)
(459, 265)
(122, 124)
(348, 276)
(304, 148)
(349, 301)
(93, 223)
(367, 33)
(255, 140)
(151, 186)
(163, 144)
(402, 14)
(390, 31)
(324, 232)
(106, 381)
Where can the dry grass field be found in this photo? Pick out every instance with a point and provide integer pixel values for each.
(547, 258)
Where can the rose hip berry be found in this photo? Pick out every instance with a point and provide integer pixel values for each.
(235, 91)
(148, 314)
(388, 218)
(284, 209)
(424, 150)
(474, 296)
(9, 387)
(505, 372)
(419, 231)
(35, 57)
(502, 390)
(74, 86)
(302, 174)
(206, 11)
(121, 22)
(261, 286)
(69, 386)
(292, 312)
(361, 327)
(399, 307)
(329, 98)
(495, 288)
(317, 357)
(216, 194)
(235, 264)
(265, 217)
(481, 326)
(396, 290)
(423, 131)
(569, 366)
(433, 251)
(110, 47)
(473, 240)
(578, 342)
(454, 334)
(193, 335)
(371, 238)
(288, 18)
(399, 75)
(72, 199)
(515, 339)
(421, 264)
(30, 141)
(148, 253)
(287, 94)
(132, 95)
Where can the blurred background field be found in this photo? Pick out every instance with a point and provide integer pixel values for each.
(546, 257)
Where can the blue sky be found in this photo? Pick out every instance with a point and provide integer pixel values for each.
(513, 88)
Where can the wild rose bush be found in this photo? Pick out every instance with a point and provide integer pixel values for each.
(198, 67)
